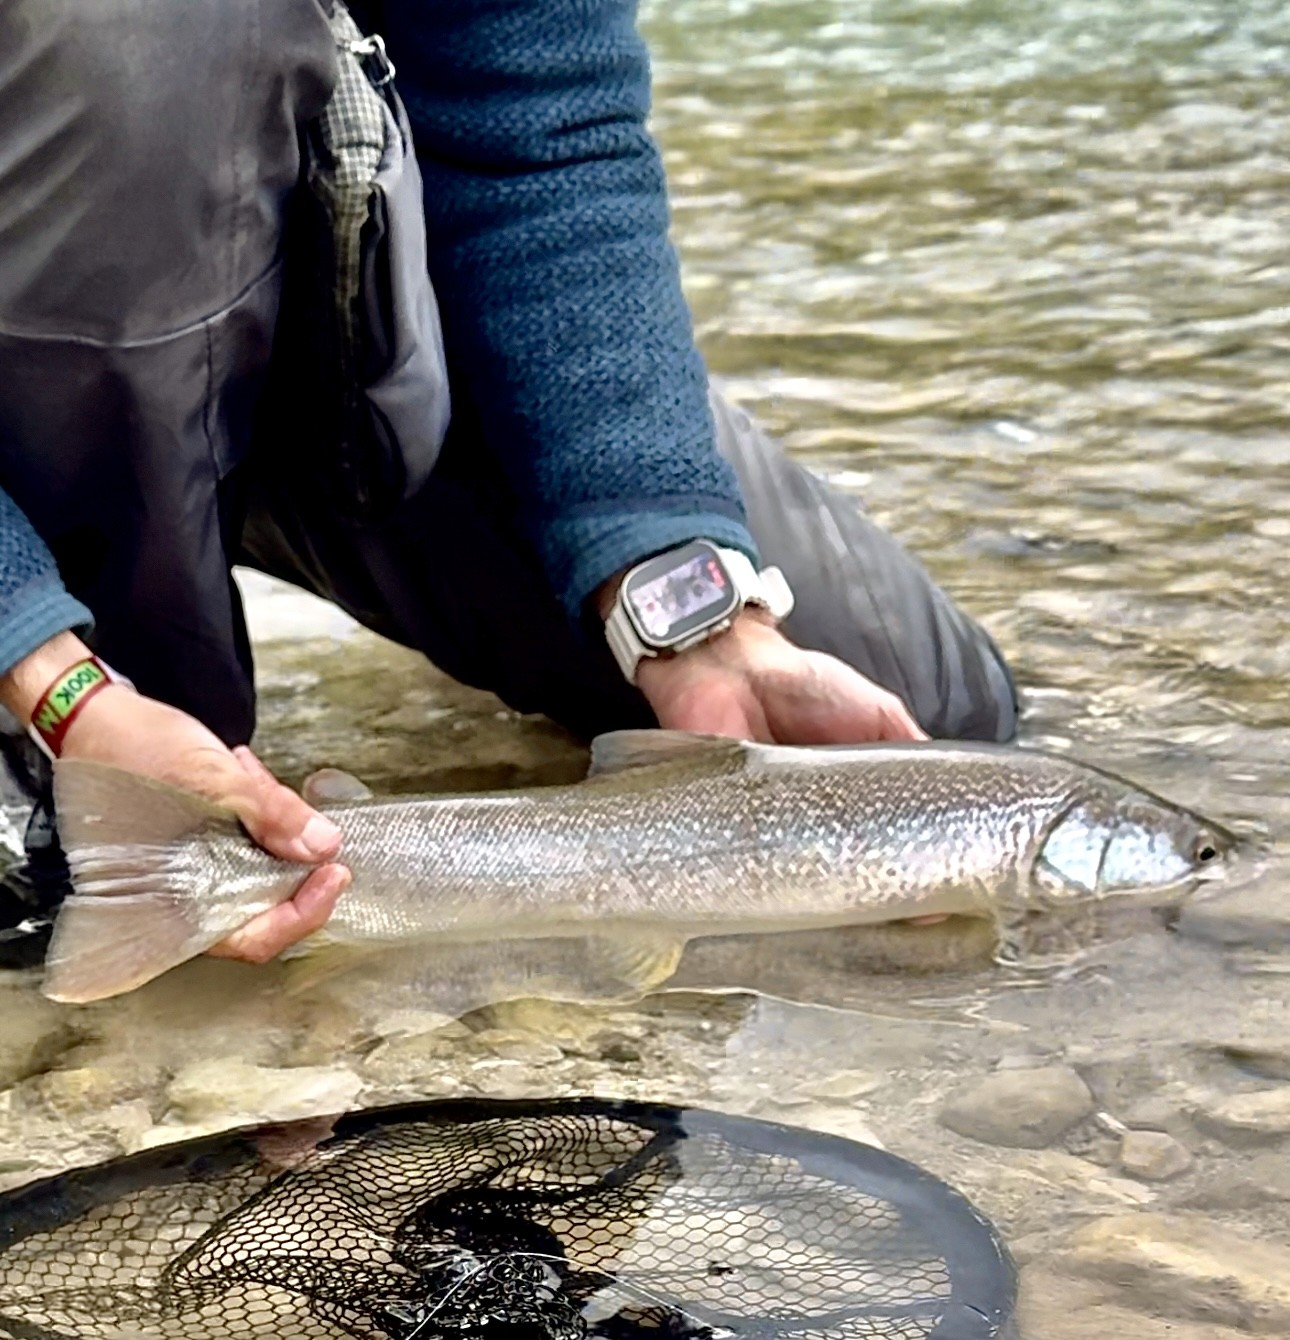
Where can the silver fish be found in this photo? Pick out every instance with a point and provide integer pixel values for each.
(672, 836)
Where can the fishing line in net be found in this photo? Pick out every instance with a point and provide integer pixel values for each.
(575, 1220)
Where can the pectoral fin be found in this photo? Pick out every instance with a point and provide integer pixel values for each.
(641, 960)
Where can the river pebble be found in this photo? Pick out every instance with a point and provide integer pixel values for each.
(1183, 1265)
(211, 1090)
(1022, 1109)
(1153, 1156)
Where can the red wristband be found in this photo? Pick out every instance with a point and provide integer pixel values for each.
(61, 702)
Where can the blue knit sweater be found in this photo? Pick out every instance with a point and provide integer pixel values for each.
(563, 315)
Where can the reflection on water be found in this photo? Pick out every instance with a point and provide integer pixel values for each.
(1016, 273)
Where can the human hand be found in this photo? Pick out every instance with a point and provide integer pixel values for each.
(751, 682)
(126, 729)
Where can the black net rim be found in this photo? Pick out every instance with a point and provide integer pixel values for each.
(983, 1276)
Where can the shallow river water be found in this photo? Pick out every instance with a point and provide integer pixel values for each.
(1017, 274)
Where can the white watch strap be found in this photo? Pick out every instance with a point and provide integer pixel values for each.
(768, 588)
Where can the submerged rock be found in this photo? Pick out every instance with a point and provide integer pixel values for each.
(1247, 1118)
(1153, 1156)
(1185, 1266)
(1269, 1058)
(1051, 1306)
(844, 1086)
(34, 1035)
(1260, 1181)
(523, 1047)
(86, 1090)
(212, 1090)
(1023, 1109)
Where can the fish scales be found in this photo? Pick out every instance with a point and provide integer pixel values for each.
(673, 836)
(760, 845)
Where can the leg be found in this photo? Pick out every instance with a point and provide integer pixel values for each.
(148, 151)
(450, 575)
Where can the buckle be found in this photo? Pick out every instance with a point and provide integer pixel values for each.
(374, 59)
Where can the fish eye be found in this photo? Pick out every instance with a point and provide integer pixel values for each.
(1204, 850)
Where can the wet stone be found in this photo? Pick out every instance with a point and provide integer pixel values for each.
(1021, 1109)
(845, 1086)
(129, 1123)
(1088, 1180)
(619, 1049)
(210, 1090)
(1268, 1059)
(1260, 1181)
(1153, 1156)
(1185, 1266)
(35, 1034)
(85, 1090)
(1245, 1119)
(522, 1047)
(1154, 1112)
(1051, 1306)
(512, 1079)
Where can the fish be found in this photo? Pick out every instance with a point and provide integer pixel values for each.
(671, 836)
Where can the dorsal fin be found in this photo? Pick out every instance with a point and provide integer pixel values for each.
(622, 750)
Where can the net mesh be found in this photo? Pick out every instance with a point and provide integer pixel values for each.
(548, 1223)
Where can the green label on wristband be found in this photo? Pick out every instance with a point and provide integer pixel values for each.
(62, 696)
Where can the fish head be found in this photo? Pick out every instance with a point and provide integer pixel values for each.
(1117, 843)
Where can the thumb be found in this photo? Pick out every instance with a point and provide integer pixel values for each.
(278, 819)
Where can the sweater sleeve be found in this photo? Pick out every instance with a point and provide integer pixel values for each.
(34, 605)
(566, 327)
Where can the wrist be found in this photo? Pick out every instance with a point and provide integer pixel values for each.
(604, 597)
(671, 606)
(22, 687)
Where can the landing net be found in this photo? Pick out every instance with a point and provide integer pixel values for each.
(483, 1221)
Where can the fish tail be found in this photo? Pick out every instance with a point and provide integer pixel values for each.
(137, 908)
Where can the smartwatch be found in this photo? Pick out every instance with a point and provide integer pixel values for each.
(685, 596)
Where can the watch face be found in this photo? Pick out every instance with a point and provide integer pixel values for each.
(679, 593)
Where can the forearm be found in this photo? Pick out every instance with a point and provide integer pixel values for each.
(566, 326)
(36, 614)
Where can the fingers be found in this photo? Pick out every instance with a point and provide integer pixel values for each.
(816, 699)
(895, 722)
(859, 709)
(281, 821)
(271, 932)
(715, 708)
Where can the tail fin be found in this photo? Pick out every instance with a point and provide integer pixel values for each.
(137, 906)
